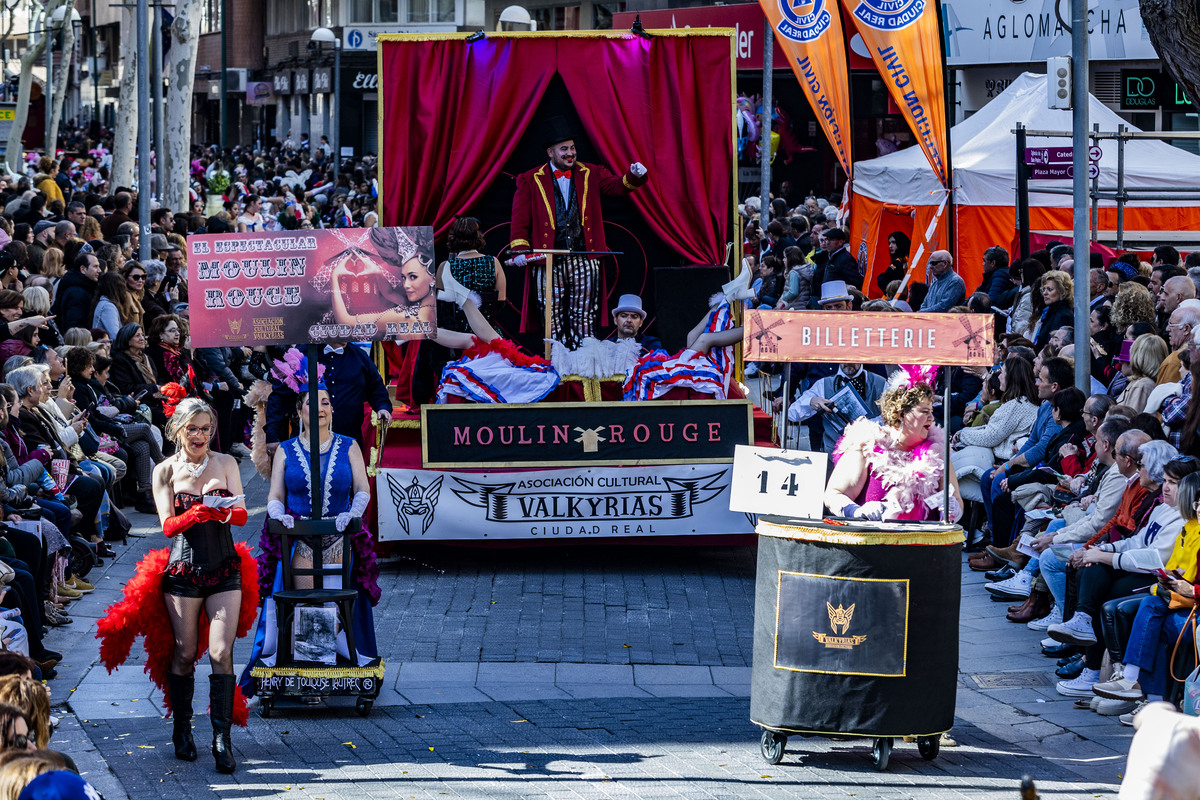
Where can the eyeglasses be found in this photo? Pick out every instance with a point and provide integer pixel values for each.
(192, 430)
(19, 742)
(137, 277)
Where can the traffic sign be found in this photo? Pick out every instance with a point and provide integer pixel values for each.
(1040, 156)
(1051, 172)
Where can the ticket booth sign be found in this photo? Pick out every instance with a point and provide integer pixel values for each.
(836, 337)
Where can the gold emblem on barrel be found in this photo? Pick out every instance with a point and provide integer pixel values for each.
(839, 617)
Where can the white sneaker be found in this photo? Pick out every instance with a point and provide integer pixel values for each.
(1120, 689)
(1112, 708)
(1081, 686)
(739, 287)
(1053, 618)
(1077, 630)
(1127, 719)
(1015, 588)
(454, 292)
(1050, 643)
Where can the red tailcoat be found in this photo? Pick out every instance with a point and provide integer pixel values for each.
(533, 204)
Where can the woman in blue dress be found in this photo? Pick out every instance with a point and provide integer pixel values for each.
(345, 494)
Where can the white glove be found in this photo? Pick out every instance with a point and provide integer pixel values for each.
(275, 510)
(873, 510)
(358, 507)
(638, 169)
(520, 260)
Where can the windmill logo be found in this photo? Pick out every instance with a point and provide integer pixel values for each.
(974, 340)
(768, 340)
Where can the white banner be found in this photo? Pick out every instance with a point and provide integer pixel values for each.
(674, 500)
(1029, 31)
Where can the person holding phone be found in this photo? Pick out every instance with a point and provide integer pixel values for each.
(1162, 615)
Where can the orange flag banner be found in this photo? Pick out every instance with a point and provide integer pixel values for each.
(810, 33)
(903, 38)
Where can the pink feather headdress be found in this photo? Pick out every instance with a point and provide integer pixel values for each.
(293, 371)
(910, 375)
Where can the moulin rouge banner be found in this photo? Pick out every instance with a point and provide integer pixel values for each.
(810, 32)
(835, 337)
(570, 434)
(591, 502)
(298, 287)
(902, 36)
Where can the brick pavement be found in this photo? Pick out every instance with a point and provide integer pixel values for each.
(513, 666)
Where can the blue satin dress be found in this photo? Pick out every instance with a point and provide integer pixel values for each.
(336, 497)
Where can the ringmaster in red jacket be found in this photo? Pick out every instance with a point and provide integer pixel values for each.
(557, 206)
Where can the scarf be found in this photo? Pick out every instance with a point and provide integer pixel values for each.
(144, 367)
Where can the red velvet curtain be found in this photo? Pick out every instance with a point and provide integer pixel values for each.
(666, 102)
(454, 112)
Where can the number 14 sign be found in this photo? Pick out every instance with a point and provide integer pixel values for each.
(786, 483)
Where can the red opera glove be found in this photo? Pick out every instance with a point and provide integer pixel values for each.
(197, 514)
(237, 516)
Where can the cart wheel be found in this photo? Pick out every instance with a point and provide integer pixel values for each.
(881, 752)
(363, 706)
(772, 745)
(265, 706)
(929, 746)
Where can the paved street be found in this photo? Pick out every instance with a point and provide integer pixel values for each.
(588, 672)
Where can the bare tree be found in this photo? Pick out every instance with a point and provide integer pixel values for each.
(63, 73)
(1174, 29)
(125, 140)
(177, 127)
(16, 150)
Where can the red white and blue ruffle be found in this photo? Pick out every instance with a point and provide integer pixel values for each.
(497, 372)
(708, 373)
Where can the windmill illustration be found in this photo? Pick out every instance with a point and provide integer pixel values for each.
(973, 340)
(768, 341)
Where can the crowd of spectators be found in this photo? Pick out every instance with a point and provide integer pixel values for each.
(1082, 504)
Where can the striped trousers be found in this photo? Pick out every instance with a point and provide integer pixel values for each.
(576, 287)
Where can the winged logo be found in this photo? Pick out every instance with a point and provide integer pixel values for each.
(839, 616)
(415, 501)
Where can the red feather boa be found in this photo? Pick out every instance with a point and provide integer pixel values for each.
(143, 612)
(510, 351)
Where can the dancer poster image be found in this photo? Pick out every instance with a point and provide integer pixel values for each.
(316, 286)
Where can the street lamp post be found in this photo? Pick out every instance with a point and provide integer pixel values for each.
(326, 36)
(143, 130)
(95, 73)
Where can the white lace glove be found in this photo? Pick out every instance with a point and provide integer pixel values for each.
(520, 260)
(357, 509)
(638, 169)
(873, 510)
(275, 510)
(935, 502)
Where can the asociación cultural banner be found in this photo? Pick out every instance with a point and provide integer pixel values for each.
(563, 504)
(810, 32)
(902, 36)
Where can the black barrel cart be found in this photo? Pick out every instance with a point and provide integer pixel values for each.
(291, 677)
(855, 632)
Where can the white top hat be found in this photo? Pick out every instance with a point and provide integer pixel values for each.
(630, 302)
(833, 291)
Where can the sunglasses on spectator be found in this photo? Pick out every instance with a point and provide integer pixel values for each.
(141, 277)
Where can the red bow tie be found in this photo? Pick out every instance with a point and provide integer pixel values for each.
(562, 173)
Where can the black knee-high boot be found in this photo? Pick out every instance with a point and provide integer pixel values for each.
(180, 689)
(220, 699)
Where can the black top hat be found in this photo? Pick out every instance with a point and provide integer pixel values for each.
(557, 130)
